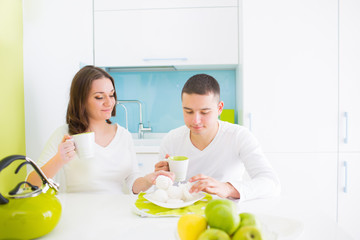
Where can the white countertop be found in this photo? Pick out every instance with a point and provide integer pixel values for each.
(110, 216)
(147, 149)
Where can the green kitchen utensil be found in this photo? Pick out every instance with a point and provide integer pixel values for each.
(28, 212)
(228, 115)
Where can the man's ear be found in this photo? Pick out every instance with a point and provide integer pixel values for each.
(220, 107)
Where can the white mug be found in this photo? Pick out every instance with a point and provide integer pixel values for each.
(179, 166)
(84, 144)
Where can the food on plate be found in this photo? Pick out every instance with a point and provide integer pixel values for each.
(163, 182)
(190, 226)
(222, 214)
(187, 196)
(169, 193)
(175, 192)
(214, 234)
(160, 195)
(247, 233)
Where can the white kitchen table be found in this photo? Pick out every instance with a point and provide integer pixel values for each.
(110, 216)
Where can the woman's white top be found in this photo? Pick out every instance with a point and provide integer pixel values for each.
(232, 152)
(114, 168)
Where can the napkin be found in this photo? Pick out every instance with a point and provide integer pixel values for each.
(144, 208)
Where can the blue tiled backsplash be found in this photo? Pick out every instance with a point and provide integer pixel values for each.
(160, 94)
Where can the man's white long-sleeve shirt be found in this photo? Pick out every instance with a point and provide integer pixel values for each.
(233, 151)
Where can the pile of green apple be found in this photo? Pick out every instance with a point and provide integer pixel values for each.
(225, 223)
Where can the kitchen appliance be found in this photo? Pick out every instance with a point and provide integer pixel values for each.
(28, 211)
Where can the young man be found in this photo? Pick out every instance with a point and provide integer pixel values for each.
(219, 152)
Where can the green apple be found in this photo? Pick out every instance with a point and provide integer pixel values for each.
(247, 219)
(213, 234)
(247, 233)
(222, 214)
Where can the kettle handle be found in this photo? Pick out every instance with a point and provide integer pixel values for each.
(8, 160)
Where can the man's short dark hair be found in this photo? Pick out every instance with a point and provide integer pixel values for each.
(201, 84)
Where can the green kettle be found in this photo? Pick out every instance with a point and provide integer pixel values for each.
(28, 212)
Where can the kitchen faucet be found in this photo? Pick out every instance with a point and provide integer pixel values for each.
(126, 115)
(142, 129)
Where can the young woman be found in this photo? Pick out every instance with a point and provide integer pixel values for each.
(114, 167)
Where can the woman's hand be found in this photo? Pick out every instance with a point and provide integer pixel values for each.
(66, 153)
(66, 149)
(162, 165)
(213, 186)
(144, 183)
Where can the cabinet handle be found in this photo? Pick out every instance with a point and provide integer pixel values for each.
(250, 122)
(164, 59)
(345, 177)
(346, 137)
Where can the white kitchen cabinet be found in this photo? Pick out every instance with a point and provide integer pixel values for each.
(172, 36)
(349, 193)
(308, 177)
(290, 74)
(349, 117)
(290, 99)
(111, 5)
(349, 75)
(147, 162)
(56, 43)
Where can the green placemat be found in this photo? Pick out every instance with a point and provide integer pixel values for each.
(145, 208)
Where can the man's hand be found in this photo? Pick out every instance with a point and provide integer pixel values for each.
(162, 165)
(212, 186)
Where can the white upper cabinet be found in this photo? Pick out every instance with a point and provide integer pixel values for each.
(349, 117)
(111, 5)
(349, 73)
(180, 36)
(290, 74)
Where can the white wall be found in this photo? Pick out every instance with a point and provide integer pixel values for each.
(57, 39)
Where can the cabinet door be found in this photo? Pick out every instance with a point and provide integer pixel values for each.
(147, 162)
(349, 193)
(111, 5)
(153, 37)
(349, 72)
(309, 177)
(290, 76)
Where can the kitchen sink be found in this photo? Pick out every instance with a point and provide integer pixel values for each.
(150, 139)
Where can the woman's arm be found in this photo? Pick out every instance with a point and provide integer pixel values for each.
(65, 153)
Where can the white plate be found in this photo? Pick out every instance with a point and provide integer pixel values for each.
(197, 197)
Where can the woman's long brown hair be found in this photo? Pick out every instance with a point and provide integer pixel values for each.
(76, 116)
